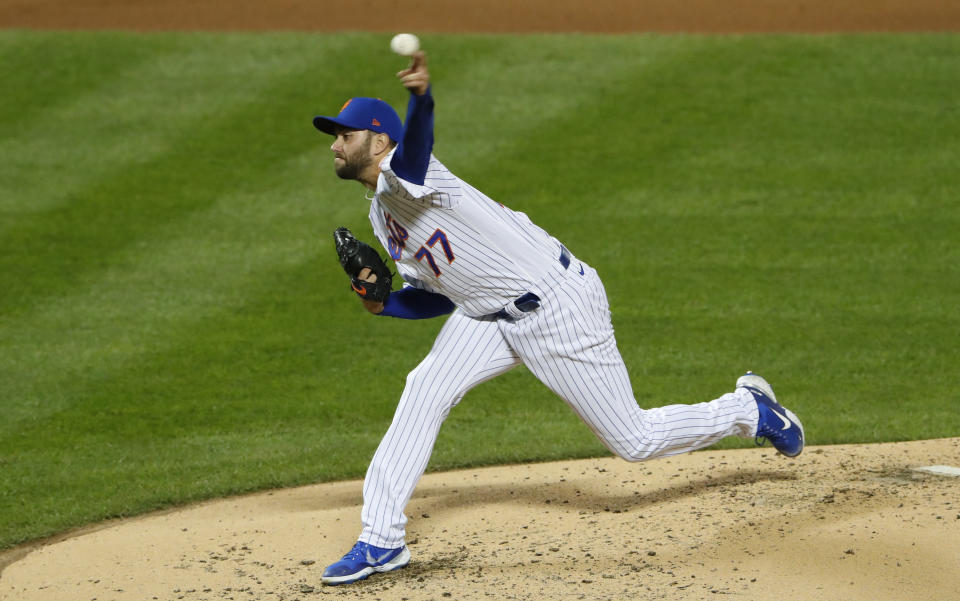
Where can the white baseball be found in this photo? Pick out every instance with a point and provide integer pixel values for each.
(405, 44)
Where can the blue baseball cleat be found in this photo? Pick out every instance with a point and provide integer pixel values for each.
(777, 424)
(362, 560)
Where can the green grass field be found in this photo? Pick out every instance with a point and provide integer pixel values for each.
(174, 324)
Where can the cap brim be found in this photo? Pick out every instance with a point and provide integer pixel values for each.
(325, 124)
(329, 125)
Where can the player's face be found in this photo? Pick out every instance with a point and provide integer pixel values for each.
(351, 152)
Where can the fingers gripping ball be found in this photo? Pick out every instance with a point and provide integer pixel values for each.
(355, 256)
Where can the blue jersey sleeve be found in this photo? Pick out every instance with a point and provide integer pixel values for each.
(413, 303)
(412, 156)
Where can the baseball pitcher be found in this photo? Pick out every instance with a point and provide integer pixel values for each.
(514, 295)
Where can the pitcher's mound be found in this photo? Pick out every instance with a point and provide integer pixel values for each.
(841, 522)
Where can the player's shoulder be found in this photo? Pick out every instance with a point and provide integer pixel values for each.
(440, 187)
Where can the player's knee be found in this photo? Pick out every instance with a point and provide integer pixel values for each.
(419, 377)
(634, 456)
(635, 453)
(422, 392)
(640, 444)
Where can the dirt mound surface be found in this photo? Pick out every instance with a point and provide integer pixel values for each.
(840, 522)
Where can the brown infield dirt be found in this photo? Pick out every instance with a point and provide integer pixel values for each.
(841, 523)
(605, 16)
(838, 523)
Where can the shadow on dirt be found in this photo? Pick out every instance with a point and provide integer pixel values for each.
(568, 495)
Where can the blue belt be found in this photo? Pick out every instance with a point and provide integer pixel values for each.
(530, 301)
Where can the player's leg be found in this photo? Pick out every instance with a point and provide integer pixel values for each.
(569, 345)
(466, 352)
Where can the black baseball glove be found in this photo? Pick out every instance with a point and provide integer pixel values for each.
(354, 257)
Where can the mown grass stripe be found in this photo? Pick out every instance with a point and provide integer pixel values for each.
(192, 152)
(43, 71)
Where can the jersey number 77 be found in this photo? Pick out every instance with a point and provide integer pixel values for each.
(423, 253)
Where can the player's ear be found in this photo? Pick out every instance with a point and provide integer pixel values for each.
(381, 143)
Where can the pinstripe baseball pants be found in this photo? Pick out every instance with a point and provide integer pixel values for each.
(569, 345)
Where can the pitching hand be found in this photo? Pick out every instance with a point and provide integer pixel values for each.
(416, 78)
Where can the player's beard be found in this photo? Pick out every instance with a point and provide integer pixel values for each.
(354, 164)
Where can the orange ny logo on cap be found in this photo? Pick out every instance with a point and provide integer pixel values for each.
(375, 123)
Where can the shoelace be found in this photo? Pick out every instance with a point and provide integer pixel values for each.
(763, 435)
(355, 553)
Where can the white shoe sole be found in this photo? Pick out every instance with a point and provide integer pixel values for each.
(796, 422)
(752, 380)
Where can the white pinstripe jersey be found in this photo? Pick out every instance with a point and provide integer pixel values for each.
(448, 237)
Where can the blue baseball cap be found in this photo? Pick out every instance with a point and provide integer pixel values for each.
(364, 113)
